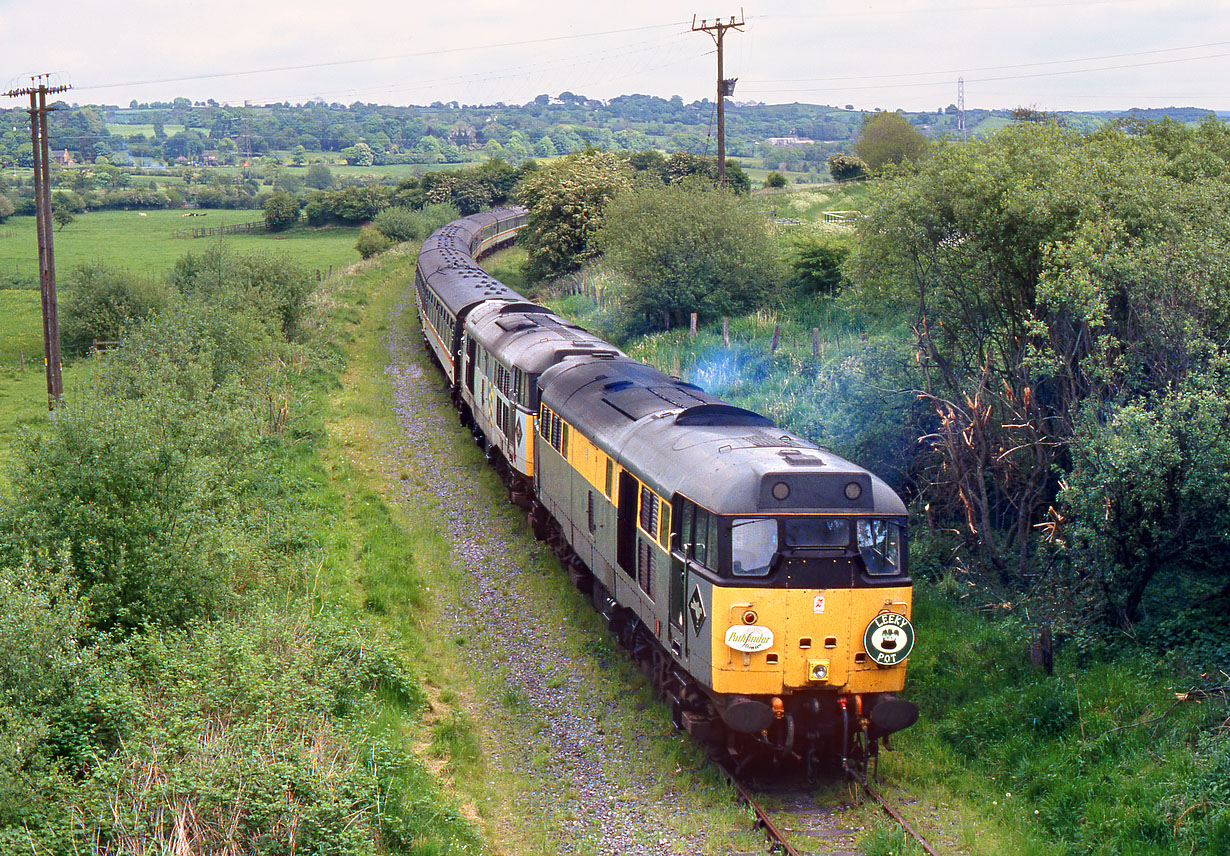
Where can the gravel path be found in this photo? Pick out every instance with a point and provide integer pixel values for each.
(597, 796)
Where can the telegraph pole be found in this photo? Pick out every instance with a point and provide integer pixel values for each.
(46, 256)
(717, 30)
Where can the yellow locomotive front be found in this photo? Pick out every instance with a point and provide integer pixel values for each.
(807, 612)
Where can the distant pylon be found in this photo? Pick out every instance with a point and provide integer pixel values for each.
(961, 107)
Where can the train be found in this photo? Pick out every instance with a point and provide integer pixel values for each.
(760, 582)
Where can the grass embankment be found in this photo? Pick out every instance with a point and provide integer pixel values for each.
(146, 244)
(214, 690)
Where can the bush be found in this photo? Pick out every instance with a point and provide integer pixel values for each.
(104, 303)
(815, 263)
(689, 247)
(437, 214)
(6, 208)
(843, 167)
(272, 286)
(775, 179)
(400, 224)
(371, 242)
(281, 211)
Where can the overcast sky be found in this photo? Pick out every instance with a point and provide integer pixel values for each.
(1053, 55)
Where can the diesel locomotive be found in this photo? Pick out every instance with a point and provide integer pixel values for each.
(761, 582)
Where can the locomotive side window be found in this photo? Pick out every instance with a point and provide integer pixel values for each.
(610, 478)
(753, 543)
(664, 525)
(879, 543)
(686, 510)
(816, 532)
(700, 533)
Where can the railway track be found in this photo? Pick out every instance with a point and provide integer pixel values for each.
(824, 838)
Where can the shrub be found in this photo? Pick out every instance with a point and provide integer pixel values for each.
(400, 224)
(270, 284)
(371, 242)
(6, 208)
(689, 247)
(437, 214)
(815, 263)
(775, 179)
(104, 303)
(281, 211)
(843, 167)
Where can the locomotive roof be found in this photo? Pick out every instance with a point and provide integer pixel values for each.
(680, 439)
(532, 338)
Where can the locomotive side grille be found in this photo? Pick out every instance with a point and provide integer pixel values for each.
(644, 567)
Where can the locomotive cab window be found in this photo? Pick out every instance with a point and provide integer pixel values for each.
(816, 532)
(753, 543)
(879, 543)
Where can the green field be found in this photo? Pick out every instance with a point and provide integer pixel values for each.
(147, 244)
(148, 130)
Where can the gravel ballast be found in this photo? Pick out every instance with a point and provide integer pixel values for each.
(599, 793)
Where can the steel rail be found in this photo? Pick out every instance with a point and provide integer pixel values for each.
(777, 839)
(892, 812)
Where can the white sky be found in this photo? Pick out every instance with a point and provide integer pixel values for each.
(1050, 54)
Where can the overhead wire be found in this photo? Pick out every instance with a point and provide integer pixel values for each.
(361, 60)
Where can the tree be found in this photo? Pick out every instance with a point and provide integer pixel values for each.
(360, 154)
(689, 247)
(319, 176)
(62, 217)
(775, 179)
(281, 211)
(6, 208)
(1051, 275)
(566, 200)
(888, 138)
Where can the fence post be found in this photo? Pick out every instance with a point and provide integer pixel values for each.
(692, 326)
(815, 341)
(726, 332)
(777, 331)
(21, 359)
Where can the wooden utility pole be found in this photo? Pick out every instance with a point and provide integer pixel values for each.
(717, 30)
(46, 255)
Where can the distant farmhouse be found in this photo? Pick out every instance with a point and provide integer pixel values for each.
(791, 140)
